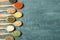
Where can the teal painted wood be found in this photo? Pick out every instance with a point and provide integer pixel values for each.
(41, 20)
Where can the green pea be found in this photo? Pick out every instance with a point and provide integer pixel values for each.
(16, 33)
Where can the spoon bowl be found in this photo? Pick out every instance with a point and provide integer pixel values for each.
(18, 23)
(11, 10)
(9, 38)
(16, 33)
(10, 28)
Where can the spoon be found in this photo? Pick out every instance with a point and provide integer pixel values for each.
(8, 28)
(11, 1)
(15, 33)
(16, 5)
(10, 10)
(16, 15)
(16, 23)
(9, 19)
(8, 38)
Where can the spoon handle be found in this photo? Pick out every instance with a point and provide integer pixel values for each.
(3, 33)
(3, 18)
(2, 39)
(5, 15)
(5, 5)
(3, 10)
(2, 28)
(3, 24)
(4, 0)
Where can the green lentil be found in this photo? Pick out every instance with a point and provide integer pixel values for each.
(11, 19)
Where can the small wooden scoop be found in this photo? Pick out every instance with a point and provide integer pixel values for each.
(8, 19)
(10, 10)
(16, 23)
(15, 33)
(16, 5)
(8, 28)
(16, 15)
(11, 1)
(8, 38)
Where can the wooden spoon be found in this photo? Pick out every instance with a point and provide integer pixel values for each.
(16, 23)
(9, 19)
(15, 33)
(8, 28)
(8, 38)
(11, 1)
(10, 10)
(16, 15)
(16, 5)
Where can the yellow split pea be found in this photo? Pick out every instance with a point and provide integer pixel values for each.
(18, 14)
